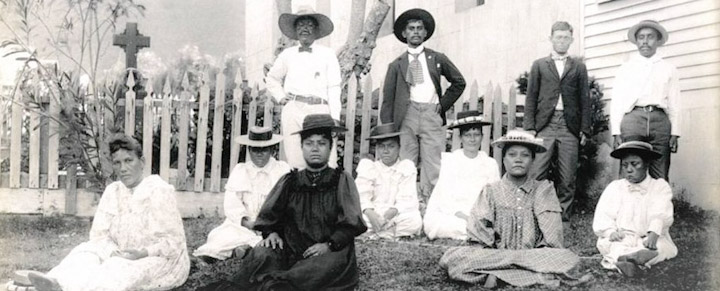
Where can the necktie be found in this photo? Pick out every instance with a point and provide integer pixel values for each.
(559, 58)
(414, 73)
(305, 49)
(637, 189)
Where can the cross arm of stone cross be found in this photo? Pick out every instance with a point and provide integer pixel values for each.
(132, 41)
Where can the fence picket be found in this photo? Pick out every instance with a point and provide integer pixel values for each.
(148, 118)
(252, 116)
(53, 151)
(183, 112)
(165, 121)
(217, 139)
(202, 134)
(512, 108)
(350, 122)
(130, 105)
(497, 120)
(16, 140)
(473, 99)
(487, 114)
(268, 113)
(366, 114)
(34, 158)
(380, 102)
(237, 119)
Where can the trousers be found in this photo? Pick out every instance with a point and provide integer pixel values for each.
(291, 121)
(652, 127)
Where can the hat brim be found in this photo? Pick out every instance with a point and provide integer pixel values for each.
(287, 25)
(382, 136)
(634, 29)
(537, 148)
(245, 140)
(401, 23)
(622, 152)
(468, 121)
(333, 128)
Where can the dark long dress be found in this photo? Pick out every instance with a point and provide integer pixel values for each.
(305, 210)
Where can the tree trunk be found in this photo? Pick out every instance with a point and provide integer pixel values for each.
(354, 57)
(357, 17)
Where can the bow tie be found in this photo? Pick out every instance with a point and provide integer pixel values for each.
(305, 49)
(559, 58)
(637, 189)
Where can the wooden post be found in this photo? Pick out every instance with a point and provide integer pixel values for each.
(184, 127)
(237, 119)
(16, 140)
(217, 139)
(512, 108)
(366, 114)
(473, 100)
(252, 115)
(458, 106)
(497, 121)
(71, 190)
(487, 114)
(350, 123)
(53, 146)
(165, 121)
(201, 140)
(34, 159)
(380, 102)
(148, 118)
(130, 105)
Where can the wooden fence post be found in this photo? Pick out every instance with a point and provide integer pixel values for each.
(165, 121)
(148, 119)
(16, 140)
(473, 100)
(237, 119)
(252, 114)
(130, 105)
(202, 133)
(497, 121)
(487, 115)
(71, 190)
(366, 114)
(217, 139)
(458, 106)
(512, 108)
(380, 102)
(183, 113)
(350, 123)
(53, 145)
(34, 158)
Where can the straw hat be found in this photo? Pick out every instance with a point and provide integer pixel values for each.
(637, 147)
(316, 121)
(417, 13)
(521, 137)
(468, 117)
(648, 23)
(259, 137)
(383, 131)
(287, 23)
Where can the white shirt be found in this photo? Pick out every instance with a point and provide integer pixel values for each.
(382, 187)
(645, 81)
(425, 91)
(315, 73)
(649, 209)
(560, 66)
(248, 186)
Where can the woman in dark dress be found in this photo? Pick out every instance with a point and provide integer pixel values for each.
(308, 222)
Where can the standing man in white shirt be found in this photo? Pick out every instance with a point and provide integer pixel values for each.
(413, 99)
(646, 97)
(305, 78)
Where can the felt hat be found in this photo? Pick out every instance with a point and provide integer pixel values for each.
(468, 117)
(417, 13)
(648, 23)
(287, 22)
(384, 131)
(637, 147)
(316, 121)
(259, 137)
(521, 137)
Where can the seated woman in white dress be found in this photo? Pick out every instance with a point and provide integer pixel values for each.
(463, 174)
(634, 214)
(388, 188)
(515, 227)
(245, 192)
(137, 240)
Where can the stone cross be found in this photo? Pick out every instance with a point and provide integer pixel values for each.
(132, 41)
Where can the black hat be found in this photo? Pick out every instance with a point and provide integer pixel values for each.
(637, 147)
(468, 117)
(316, 121)
(417, 13)
(384, 131)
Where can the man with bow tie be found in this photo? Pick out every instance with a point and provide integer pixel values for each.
(305, 78)
(557, 109)
(634, 214)
(413, 99)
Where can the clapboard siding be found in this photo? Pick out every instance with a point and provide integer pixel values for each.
(676, 37)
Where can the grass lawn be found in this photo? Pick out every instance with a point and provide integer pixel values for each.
(32, 242)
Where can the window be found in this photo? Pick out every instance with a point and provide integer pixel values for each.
(462, 5)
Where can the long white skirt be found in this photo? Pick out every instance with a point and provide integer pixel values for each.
(611, 251)
(225, 238)
(441, 225)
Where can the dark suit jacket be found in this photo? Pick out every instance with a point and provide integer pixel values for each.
(396, 90)
(544, 87)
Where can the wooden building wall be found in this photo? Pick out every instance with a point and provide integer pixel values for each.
(694, 48)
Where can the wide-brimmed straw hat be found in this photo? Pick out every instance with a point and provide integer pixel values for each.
(316, 121)
(287, 22)
(521, 137)
(468, 117)
(648, 23)
(259, 137)
(419, 14)
(637, 147)
(384, 131)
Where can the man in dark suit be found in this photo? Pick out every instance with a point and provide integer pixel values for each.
(413, 99)
(557, 109)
